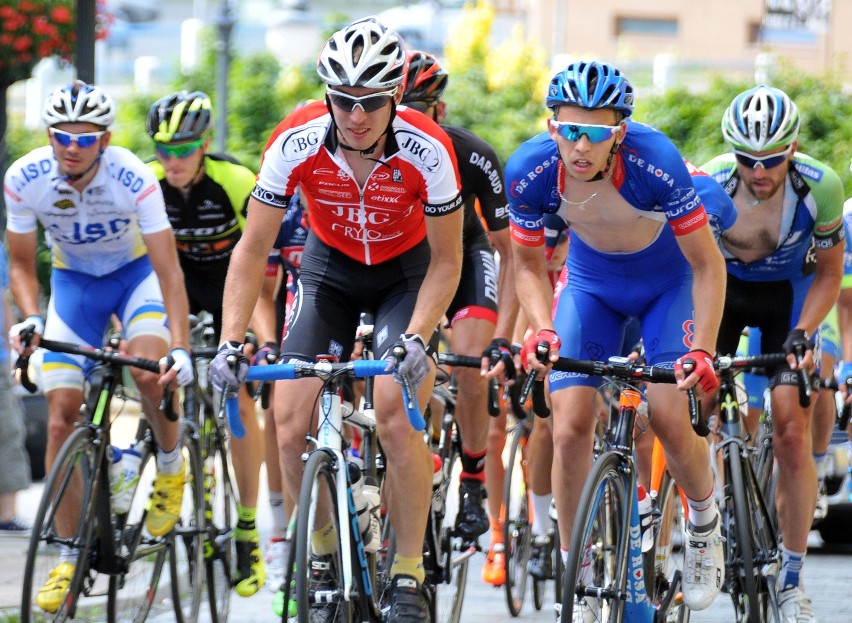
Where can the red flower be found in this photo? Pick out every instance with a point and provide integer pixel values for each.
(21, 44)
(61, 15)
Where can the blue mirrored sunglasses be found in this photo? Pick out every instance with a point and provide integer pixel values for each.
(83, 140)
(573, 131)
(769, 161)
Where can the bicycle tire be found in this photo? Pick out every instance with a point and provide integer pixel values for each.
(318, 507)
(132, 595)
(449, 594)
(764, 546)
(601, 524)
(75, 460)
(517, 528)
(738, 546)
(220, 511)
(666, 557)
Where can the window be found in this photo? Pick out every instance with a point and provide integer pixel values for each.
(656, 27)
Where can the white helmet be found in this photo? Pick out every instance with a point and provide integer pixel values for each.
(79, 102)
(760, 119)
(363, 54)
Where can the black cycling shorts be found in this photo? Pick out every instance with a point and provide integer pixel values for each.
(334, 289)
(476, 295)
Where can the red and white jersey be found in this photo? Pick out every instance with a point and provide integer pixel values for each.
(416, 176)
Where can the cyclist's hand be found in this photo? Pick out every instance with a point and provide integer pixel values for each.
(844, 371)
(229, 368)
(266, 355)
(181, 367)
(499, 353)
(800, 350)
(703, 373)
(415, 365)
(31, 322)
(529, 357)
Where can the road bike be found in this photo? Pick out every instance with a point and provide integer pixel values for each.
(752, 555)
(118, 566)
(606, 536)
(342, 578)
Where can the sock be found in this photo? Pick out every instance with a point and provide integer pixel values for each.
(496, 531)
(819, 461)
(473, 465)
(279, 517)
(541, 513)
(169, 462)
(324, 540)
(702, 513)
(403, 565)
(791, 568)
(68, 554)
(246, 529)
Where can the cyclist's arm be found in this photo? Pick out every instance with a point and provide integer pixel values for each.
(264, 319)
(824, 290)
(531, 271)
(23, 276)
(162, 251)
(444, 234)
(246, 269)
(507, 298)
(708, 285)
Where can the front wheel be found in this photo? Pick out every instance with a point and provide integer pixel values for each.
(666, 557)
(220, 510)
(517, 529)
(63, 527)
(741, 580)
(319, 556)
(597, 555)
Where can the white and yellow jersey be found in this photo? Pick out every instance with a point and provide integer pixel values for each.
(94, 232)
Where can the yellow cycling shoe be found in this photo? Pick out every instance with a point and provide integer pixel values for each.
(166, 499)
(494, 569)
(251, 572)
(50, 595)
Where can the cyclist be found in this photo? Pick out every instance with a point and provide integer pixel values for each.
(381, 185)
(617, 182)
(483, 311)
(784, 260)
(206, 196)
(113, 253)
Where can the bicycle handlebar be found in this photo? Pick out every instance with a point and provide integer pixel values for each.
(323, 369)
(763, 365)
(466, 361)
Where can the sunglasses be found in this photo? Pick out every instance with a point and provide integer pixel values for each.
(184, 150)
(767, 162)
(83, 140)
(368, 103)
(574, 131)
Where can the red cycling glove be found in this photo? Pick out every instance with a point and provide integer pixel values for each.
(547, 336)
(703, 367)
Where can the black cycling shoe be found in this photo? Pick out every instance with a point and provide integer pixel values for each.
(324, 596)
(409, 601)
(540, 565)
(472, 519)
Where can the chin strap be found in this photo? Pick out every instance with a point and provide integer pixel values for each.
(193, 179)
(607, 170)
(371, 148)
(79, 176)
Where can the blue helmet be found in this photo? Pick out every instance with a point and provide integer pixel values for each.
(591, 85)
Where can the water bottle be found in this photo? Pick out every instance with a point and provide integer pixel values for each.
(437, 481)
(646, 519)
(125, 486)
(365, 498)
(116, 471)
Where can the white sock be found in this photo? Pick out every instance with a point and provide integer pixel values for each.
(279, 518)
(541, 513)
(702, 513)
(169, 462)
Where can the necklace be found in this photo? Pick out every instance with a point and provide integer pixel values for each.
(580, 204)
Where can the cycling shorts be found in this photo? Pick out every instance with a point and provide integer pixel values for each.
(476, 296)
(205, 292)
(80, 309)
(334, 289)
(605, 292)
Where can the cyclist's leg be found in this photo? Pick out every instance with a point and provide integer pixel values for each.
(494, 569)
(143, 317)
(540, 459)
(825, 410)
(62, 380)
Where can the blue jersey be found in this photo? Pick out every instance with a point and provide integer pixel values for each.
(648, 172)
(810, 220)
